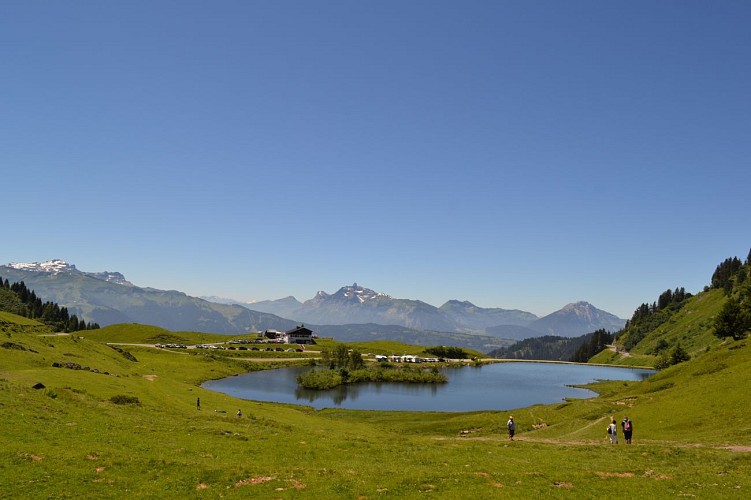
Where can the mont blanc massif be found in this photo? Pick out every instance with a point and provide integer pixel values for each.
(353, 313)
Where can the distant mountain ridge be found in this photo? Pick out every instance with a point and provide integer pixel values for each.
(107, 298)
(57, 266)
(468, 316)
(577, 319)
(356, 304)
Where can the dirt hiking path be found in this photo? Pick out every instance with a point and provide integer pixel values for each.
(566, 440)
(595, 442)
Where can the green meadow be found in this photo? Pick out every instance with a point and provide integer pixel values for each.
(117, 421)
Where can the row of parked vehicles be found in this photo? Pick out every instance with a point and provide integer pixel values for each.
(232, 348)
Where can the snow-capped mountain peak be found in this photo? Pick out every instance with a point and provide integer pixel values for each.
(53, 266)
(358, 293)
(57, 266)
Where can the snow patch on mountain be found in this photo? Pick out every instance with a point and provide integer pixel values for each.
(111, 277)
(359, 293)
(53, 266)
(57, 266)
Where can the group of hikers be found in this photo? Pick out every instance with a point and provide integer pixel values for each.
(626, 426)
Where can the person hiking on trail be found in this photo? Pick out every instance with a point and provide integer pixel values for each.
(198, 403)
(613, 431)
(511, 428)
(628, 428)
(239, 413)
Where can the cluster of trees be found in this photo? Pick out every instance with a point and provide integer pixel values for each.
(342, 357)
(327, 379)
(734, 277)
(648, 317)
(554, 348)
(447, 352)
(548, 347)
(346, 366)
(598, 340)
(668, 299)
(726, 273)
(17, 298)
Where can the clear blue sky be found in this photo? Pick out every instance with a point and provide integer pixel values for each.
(516, 154)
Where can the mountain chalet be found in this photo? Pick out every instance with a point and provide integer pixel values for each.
(298, 335)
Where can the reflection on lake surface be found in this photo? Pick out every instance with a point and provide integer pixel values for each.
(493, 386)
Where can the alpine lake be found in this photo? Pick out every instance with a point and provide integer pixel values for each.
(491, 386)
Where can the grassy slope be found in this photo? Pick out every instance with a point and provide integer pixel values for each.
(69, 440)
(691, 326)
(133, 333)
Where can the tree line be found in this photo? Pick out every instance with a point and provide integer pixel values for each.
(597, 341)
(647, 317)
(734, 278)
(547, 347)
(18, 299)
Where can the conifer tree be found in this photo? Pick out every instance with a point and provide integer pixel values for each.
(679, 355)
(731, 321)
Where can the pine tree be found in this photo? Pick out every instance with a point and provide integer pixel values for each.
(665, 299)
(731, 321)
(724, 274)
(679, 355)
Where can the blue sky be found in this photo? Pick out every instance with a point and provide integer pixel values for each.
(516, 154)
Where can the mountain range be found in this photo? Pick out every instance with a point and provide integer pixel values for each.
(108, 297)
(356, 304)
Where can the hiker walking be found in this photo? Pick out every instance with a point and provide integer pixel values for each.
(198, 403)
(239, 413)
(511, 428)
(628, 428)
(613, 431)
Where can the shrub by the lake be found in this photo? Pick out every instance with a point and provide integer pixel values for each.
(320, 379)
(327, 379)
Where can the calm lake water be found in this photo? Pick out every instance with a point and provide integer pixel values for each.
(496, 386)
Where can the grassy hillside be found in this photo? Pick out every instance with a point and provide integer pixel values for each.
(10, 320)
(78, 436)
(132, 333)
(691, 327)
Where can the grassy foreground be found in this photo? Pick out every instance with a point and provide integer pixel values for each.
(69, 439)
